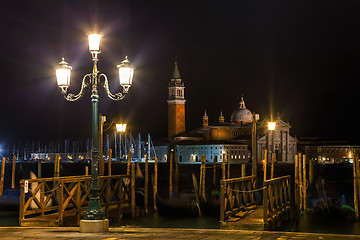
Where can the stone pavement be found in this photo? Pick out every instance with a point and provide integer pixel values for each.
(10, 233)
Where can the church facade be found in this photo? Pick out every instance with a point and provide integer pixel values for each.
(234, 138)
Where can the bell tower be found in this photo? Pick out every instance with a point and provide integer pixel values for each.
(176, 104)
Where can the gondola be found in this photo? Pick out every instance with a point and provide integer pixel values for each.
(182, 205)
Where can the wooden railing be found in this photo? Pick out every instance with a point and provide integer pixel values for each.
(276, 199)
(237, 194)
(69, 196)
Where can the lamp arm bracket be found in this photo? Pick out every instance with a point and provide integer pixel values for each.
(117, 96)
(72, 97)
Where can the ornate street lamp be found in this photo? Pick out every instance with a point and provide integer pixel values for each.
(121, 127)
(94, 80)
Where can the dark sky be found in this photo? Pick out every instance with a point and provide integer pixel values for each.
(296, 58)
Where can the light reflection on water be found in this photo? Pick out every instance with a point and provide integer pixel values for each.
(324, 223)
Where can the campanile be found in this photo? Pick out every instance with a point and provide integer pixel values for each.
(176, 104)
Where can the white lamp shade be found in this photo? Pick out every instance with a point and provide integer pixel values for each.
(63, 73)
(271, 126)
(121, 127)
(94, 42)
(126, 73)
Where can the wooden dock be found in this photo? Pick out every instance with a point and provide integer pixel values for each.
(239, 208)
(248, 220)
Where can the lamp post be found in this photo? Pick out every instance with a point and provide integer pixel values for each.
(94, 80)
(254, 144)
(271, 128)
(120, 128)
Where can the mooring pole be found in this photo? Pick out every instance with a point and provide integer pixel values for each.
(39, 168)
(2, 176)
(272, 165)
(132, 190)
(356, 204)
(300, 182)
(203, 170)
(13, 172)
(57, 165)
(243, 168)
(155, 181)
(214, 171)
(311, 171)
(146, 190)
(128, 163)
(223, 167)
(171, 173)
(228, 168)
(304, 182)
(297, 204)
(265, 164)
(109, 162)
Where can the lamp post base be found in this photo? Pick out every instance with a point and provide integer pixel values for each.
(94, 226)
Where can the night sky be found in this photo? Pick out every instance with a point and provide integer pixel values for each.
(296, 58)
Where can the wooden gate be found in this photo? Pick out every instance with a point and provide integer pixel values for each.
(54, 199)
(276, 201)
(237, 195)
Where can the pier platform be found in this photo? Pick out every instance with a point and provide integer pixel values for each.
(11, 233)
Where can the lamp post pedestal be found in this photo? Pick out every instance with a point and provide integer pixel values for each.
(94, 226)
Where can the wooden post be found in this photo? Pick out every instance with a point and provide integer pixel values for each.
(304, 182)
(171, 173)
(253, 147)
(356, 187)
(57, 165)
(297, 202)
(222, 200)
(243, 167)
(155, 181)
(300, 182)
(265, 164)
(311, 171)
(132, 190)
(272, 165)
(358, 177)
(146, 191)
(128, 163)
(13, 172)
(2, 176)
(196, 188)
(101, 145)
(39, 168)
(223, 167)
(176, 174)
(109, 163)
(214, 171)
(86, 170)
(228, 168)
(203, 169)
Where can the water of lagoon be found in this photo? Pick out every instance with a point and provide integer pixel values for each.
(338, 179)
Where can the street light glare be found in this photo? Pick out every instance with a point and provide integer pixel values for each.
(63, 73)
(94, 42)
(271, 126)
(126, 74)
(121, 127)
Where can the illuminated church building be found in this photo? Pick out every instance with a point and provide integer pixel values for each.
(233, 138)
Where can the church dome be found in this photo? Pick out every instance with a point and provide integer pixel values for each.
(242, 115)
